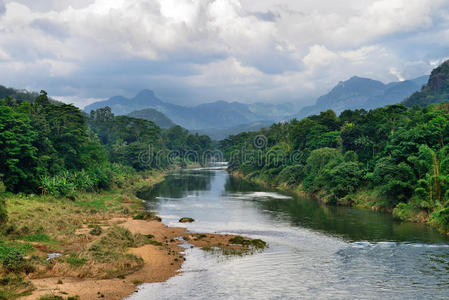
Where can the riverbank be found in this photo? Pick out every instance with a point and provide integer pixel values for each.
(362, 199)
(100, 245)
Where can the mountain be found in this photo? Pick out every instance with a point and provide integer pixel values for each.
(358, 92)
(218, 114)
(435, 91)
(153, 115)
(21, 95)
(222, 133)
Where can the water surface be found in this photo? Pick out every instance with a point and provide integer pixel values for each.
(315, 251)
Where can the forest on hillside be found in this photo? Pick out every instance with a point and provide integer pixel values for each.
(392, 159)
(55, 148)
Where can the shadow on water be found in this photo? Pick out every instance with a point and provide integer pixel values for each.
(315, 251)
(178, 185)
(348, 223)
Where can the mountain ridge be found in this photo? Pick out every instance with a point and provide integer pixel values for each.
(359, 92)
(436, 89)
(217, 114)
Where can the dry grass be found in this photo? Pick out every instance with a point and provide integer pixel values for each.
(45, 224)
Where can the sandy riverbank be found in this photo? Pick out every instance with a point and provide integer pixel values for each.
(160, 263)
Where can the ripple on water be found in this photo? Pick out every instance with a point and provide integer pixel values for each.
(309, 255)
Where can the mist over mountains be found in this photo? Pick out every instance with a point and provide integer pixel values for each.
(220, 118)
(358, 92)
(218, 114)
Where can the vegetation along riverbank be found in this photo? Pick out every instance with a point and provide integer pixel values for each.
(392, 159)
(71, 225)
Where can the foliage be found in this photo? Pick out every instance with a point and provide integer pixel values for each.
(400, 154)
(3, 212)
(142, 145)
(56, 149)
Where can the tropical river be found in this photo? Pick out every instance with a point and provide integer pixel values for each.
(315, 251)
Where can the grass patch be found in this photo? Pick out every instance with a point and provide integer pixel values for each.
(51, 297)
(186, 220)
(14, 286)
(145, 215)
(52, 224)
(8, 248)
(109, 256)
(75, 261)
(96, 230)
(153, 242)
(256, 243)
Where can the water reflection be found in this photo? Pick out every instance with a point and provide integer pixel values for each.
(350, 224)
(315, 251)
(179, 185)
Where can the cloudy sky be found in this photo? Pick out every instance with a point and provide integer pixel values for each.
(193, 51)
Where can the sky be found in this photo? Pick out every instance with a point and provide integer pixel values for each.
(196, 51)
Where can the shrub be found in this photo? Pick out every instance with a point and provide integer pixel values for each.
(96, 230)
(144, 216)
(186, 220)
(3, 212)
(51, 297)
(66, 183)
(441, 218)
(75, 261)
(15, 262)
(291, 175)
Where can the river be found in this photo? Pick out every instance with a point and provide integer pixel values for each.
(315, 251)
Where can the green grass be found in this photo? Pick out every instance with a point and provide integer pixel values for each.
(51, 297)
(13, 287)
(75, 261)
(9, 248)
(256, 243)
(153, 242)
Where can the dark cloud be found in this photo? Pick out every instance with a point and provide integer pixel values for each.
(48, 5)
(2, 8)
(50, 27)
(194, 51)
(267, 16)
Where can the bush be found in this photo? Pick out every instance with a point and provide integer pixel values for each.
(15, 262)
(441, 219)
(144, 216)
(67, 183)
(96, 230)
(13, 286)
(3, 212)
(75, 261)
(51, 297)
(291, 175)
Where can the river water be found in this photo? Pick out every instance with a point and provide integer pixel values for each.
(315, 251)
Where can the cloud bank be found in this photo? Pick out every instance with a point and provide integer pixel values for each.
(192, 51)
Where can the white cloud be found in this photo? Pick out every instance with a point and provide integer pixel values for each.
(319, 56)
(274, 50)
(396, 73)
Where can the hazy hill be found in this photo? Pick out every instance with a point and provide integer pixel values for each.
(435, 91)
(358, 92)
(152, 114)
(221, 118)
(218, 114)
(222, 133)
(21, 95)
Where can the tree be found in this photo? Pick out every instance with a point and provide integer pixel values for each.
(17, 153)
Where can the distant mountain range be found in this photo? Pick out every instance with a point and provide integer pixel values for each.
(219, 114)
(222, 133)
(435, 91)
(219, 119)
(358, 92)
(151, 114)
